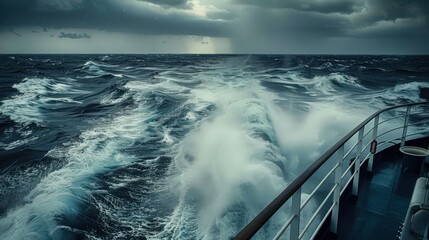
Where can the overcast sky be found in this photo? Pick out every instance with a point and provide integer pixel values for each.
(215, 26)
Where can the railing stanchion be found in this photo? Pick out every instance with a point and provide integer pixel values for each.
(336, 199)
(374, 138)
(296, 206)
(357, 162)
(404, 132)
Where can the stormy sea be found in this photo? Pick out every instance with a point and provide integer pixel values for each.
(174, 146)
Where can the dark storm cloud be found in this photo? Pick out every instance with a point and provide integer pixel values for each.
(371, 18)
(275, 26)
(74, 35)
(109, 15)
(371, 26)
(16, 34)
(327, 6)
(170, 3)
(404, 19)
(394, 9)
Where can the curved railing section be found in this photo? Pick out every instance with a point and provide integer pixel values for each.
(361, 147)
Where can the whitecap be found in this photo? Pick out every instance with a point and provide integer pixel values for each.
(33, 94)
(406, 92)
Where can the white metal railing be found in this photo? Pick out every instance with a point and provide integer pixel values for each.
(343, 177)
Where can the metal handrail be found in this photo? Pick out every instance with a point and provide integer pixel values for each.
(323, 220)
(390, 130)
(317, 211)
(253, 227)
(390, 119)
(318, 186)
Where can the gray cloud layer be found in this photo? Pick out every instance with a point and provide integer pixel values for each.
(351, 14)
(327, 6)
(370, 26)
(169, 3)
(252, 25)
(74, 35)
(124, 16)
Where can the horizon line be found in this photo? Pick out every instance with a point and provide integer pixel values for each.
(308, 54)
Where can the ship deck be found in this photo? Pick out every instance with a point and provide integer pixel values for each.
(383, 199)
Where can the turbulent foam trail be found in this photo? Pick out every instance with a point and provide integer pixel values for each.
(234, 164)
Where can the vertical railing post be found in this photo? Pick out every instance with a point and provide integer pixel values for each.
(374, 138)
(296, 206)
(357, 162)
(404, 132)
(337, 191)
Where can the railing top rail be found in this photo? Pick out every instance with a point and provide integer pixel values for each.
(277, 203)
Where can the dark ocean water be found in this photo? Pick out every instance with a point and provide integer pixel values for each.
(174, 146)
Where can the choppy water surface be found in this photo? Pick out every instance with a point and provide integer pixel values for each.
(174, 146)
